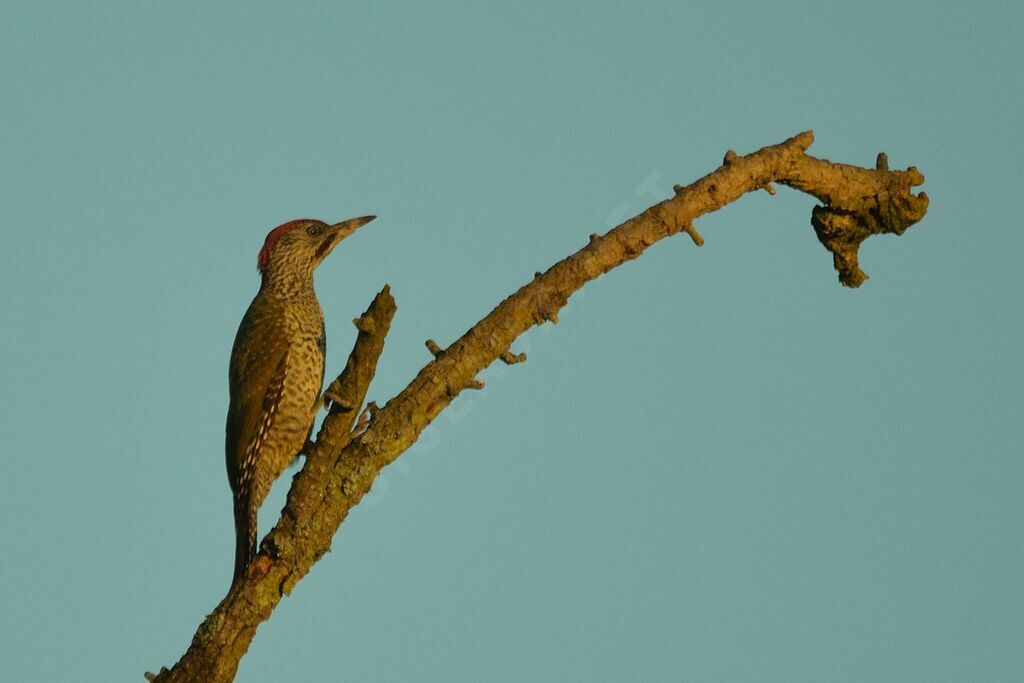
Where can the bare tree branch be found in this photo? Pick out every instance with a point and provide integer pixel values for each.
(856, 203)
(302, 534)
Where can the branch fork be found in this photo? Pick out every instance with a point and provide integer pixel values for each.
(349, 453)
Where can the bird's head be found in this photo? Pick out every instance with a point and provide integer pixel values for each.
(297, 247)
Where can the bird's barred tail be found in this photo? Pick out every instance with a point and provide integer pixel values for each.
(245, 535)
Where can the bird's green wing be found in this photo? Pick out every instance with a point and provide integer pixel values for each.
(256, 381)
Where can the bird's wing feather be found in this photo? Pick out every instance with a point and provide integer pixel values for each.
(256, 381)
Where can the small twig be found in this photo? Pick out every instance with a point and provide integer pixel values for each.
(510, 358)
(694, 235)
(434, 349)
(364, 323)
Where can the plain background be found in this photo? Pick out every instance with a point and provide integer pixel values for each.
(720, 465)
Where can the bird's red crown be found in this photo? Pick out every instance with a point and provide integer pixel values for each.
(273, 236)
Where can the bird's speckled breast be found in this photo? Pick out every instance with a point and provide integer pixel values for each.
(303, 378)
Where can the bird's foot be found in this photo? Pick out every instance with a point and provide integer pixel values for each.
(330, 398)
(364, 419)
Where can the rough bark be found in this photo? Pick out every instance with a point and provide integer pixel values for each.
(855, 204)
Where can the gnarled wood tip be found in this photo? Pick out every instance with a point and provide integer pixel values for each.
(802, 140)
(891, 208)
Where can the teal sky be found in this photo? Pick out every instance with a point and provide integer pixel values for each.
(719, 466)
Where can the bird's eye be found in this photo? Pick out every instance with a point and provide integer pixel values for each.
(314, 230)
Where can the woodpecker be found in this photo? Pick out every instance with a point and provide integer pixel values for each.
(277, 369)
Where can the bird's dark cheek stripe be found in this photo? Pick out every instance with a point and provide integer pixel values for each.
(322, 249)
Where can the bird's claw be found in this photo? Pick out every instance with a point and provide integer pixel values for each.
(330, 397)
(364, 418)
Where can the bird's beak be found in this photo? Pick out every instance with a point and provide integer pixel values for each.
(345, 228)
(339, 231)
